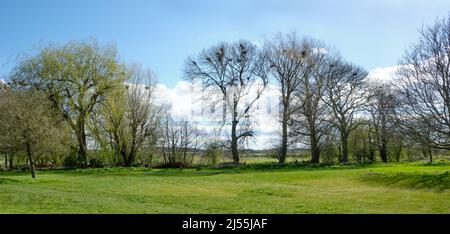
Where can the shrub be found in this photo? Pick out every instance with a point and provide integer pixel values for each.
(212, 153)
(95, 163)
(172, 165)
(71, 161)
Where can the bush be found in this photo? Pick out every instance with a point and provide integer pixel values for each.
(95, 163)
(70, 161)
(172, 165)
(212, 153)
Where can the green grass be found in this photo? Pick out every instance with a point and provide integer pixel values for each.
(254, 188)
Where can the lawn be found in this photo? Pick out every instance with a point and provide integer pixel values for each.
(258, 188)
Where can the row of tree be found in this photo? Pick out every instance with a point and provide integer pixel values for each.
(325, 98)
(80, 96)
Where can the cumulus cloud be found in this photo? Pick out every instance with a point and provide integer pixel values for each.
(320, 50)
(257, 44)
(384, 74)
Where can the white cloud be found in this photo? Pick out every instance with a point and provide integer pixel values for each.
(320, 50)
(383, 74)
(257, 44)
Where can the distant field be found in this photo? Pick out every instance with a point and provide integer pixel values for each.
(257, 188)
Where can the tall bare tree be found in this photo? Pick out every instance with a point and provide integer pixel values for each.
(286, 57)
(424, 87)
(346, 97)
(180, 141)
(310, 111)
(234, 77)
(381, 105)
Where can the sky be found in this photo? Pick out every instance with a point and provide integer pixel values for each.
(162, 34)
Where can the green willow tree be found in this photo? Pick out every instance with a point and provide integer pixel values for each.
(130, 115)
(75, 78)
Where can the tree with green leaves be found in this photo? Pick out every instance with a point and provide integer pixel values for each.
(130, 114)
(75, 78)
(28, 126)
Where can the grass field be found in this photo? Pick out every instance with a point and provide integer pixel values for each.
(258, 188)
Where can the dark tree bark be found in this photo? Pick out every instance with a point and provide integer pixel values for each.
(383, 151)
(284, 139)
(430, 155)
(30, 160)
(234, 143)
(315, 150)
(371, 148)
(82, 148)
(344, 139)
(11, 159)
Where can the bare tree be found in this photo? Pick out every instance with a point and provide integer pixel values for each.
(424, 87)
(233, 76)
(381, 105)
(345, 96)
(310, 113)
(286, 57)
(180, 141)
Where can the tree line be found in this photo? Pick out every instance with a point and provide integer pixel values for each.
(79, 96)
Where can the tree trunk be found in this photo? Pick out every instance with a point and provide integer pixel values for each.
(123, 154)
(398, 153)
(11, 161)
(185, 153)
(82, 149)
(383, 150)
(30, 160)
(430, 154)
(371, 149)
(193, 154)
(234, 143)
(283, 150)
(315, 151)
(6, 160)
(130, 158)
(344, 147)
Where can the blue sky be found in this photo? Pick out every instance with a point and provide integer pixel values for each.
(161, 34)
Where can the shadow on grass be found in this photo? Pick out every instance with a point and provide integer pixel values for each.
(7, 181)
(183, 173)
(434, 181)
(199, 170)
(136, 171)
